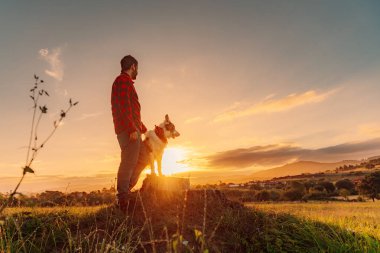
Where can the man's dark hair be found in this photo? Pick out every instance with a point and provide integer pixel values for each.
(127, 62)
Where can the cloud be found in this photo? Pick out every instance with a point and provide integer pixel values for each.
(89, 115)
(193, 120)
(279, 154)
(53, 58)
(271, 105)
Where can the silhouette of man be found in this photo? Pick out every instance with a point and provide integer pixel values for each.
(128, 125)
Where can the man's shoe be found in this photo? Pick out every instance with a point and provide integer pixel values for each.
(122, 204)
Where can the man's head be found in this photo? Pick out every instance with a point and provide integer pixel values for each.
(129, 65)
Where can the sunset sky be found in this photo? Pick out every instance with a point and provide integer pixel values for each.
(249, 85)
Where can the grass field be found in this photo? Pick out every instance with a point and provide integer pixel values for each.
(77, 211)
(198, 221)
(359, 217)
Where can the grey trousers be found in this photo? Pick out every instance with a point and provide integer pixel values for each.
(130, 150)
(134, 158)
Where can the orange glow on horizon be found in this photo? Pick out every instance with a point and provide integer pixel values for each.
(171, 161)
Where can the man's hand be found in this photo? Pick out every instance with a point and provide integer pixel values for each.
(133, 136)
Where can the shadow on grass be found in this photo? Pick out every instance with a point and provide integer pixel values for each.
(192, 221)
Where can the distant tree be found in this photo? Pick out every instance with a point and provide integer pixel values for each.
(274, 195)
(315, 195)
(247, 196)
(256, 187)
(295, 185)
(262, 196)
(309, 184)
(369, 166)
(345, 184)
(319, 188)
(222, 184)
(370, 185)
(329, 187)
(293, 194)
(52, 197)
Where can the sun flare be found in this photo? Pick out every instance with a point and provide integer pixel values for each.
(171, 161)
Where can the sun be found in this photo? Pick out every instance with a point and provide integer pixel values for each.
(171, 160)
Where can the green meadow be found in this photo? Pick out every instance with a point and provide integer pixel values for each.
(193, 221)
(358, 217)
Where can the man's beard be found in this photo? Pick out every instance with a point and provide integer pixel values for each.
(134, 75)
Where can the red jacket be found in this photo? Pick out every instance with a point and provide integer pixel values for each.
(125, 106)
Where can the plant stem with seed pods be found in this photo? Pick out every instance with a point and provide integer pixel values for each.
(33, 132)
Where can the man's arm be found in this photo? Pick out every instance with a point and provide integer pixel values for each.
(144, 129)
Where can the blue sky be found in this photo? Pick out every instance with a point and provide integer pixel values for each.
(298, 73)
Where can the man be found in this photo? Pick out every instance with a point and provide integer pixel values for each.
(128, 126)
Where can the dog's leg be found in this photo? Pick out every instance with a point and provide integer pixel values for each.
(153, 173)
(159, 159)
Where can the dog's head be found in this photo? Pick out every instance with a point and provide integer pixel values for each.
(169, 128)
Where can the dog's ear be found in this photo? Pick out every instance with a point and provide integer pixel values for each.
(167, 117)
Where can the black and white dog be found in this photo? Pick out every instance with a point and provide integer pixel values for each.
(153, 148)
(156, 141)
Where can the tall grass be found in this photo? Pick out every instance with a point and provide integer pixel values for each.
(92, 229)
(52, 231)
(194, 221)
(357, 217)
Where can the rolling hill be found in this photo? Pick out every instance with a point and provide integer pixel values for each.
(299, 168)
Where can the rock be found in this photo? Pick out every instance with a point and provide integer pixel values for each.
(163, 183)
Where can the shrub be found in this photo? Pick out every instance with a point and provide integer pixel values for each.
(345, 184)
(328, 186)
(344, 193)
(293, 195)
(248, 196)
(263, 195)
(275, 195)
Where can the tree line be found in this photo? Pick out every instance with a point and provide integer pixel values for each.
(368, 187)
(293, 190)
(57, 198)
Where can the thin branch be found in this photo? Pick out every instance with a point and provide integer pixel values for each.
(56, 125)
(35, 130)
(34, 116)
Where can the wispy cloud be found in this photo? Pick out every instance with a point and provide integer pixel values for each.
(279, 154)
(53, 58)
(272, 105)
(90, 115)
(193, 120)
